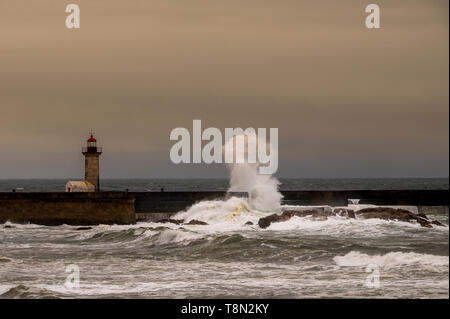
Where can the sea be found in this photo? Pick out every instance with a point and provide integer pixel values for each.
(228, 257)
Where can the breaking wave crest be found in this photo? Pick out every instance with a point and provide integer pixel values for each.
(223, 215)
(392, 259)
(27, 292)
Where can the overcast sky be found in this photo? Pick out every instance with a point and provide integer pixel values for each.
(348, 101)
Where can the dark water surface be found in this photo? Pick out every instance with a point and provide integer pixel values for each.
(142, 185)
(298, 258)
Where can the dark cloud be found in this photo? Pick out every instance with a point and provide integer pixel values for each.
(347, 101)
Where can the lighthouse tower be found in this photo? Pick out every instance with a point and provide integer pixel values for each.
(91, 163)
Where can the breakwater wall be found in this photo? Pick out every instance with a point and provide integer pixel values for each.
(152, 202)
(67, 208)
(58, 208)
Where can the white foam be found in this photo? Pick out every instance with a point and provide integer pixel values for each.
(245, 177)
(4, 289)
(226, 215)
(22, 226)
(337, 225)
(234, 213)
(169, 236)
(356, 207)
(392, 259)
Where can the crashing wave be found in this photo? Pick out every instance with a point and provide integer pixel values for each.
(392, 259)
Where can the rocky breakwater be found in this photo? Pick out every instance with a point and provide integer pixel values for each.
(181, 221)
(386, 213)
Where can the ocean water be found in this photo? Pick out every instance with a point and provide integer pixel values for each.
(144, 185)
(298, 258)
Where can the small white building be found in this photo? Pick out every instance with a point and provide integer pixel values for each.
(79, 186)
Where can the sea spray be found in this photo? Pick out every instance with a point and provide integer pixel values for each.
(262, 189)
(245, 177)
(222, 215)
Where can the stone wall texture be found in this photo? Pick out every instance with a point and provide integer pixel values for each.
(67, 208)
(92, 170)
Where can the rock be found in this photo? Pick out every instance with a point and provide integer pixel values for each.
(248, 223)
(196, 222)
(435, 222)
(344, 212)
(288, 214)
(8, 226)
(385, 213)
(388, 213)
(314, 213)
(170, 220)
(83, 228)
(181, 221)
(274, 218)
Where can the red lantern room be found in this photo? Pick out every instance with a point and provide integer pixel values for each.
(92, 142)
(91, 146)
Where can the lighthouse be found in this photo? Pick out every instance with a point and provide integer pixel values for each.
(91, 162)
